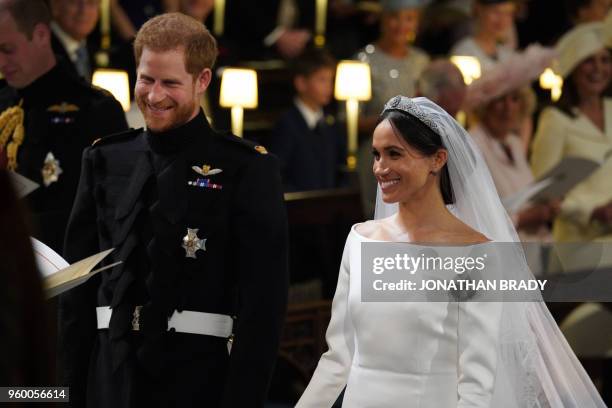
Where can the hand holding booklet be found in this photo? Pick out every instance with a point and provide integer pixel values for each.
(555, 184)
(58, 275)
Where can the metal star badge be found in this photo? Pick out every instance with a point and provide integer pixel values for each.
(51, 170)
(205, 170)
(192, 244)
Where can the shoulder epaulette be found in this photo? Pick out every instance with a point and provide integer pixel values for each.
(117, 137)
(247, 144)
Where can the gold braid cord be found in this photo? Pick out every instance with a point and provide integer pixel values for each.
(11, 133)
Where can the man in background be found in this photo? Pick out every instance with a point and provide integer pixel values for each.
(73, 21)
(442, 82)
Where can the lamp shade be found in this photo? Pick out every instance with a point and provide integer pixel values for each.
(353, 81)
(219, 13)
(238, 88)
(469, 67)
(116, 82)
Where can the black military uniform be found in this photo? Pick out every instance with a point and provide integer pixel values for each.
(63, 115)
(198, 220)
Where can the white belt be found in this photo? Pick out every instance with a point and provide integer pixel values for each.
(207, 324)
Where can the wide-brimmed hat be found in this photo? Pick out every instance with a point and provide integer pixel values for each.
(607, 30)
(516, 72)
(576, 45)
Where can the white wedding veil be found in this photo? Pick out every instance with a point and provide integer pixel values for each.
(536, 366)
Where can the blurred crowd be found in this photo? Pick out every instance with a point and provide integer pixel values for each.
(524, 129)
(409, 45)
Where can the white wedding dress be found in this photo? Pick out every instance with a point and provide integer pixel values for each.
(448, 355)
(403, 354)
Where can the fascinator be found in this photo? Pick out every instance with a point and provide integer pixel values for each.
(516, 72)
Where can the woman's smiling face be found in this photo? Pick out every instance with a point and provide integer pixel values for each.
(402, 172)
(592, 76)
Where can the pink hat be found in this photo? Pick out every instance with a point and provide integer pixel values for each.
(515, 72)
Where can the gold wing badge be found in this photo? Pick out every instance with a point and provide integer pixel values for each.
(60, 112)
(63, 107)
(205, 170)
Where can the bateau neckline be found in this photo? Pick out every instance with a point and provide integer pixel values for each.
(364, 238)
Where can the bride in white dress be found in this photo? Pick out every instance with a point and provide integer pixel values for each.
(434, 187)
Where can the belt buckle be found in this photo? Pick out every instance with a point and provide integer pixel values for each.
(136, 318)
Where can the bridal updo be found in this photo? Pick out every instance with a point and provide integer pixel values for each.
(422, 138)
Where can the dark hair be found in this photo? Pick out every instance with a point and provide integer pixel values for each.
(27, 14)
(569, 94)
(424, 139)
(312, 60)
(572, 7)
(569, 97)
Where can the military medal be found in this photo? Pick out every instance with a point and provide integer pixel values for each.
(204, 183)
(61, 110)
(205, 170)
(51, 170)
(192, 244)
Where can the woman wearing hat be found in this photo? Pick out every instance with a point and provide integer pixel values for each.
(580, 124)
(489, 44)
(607, 31)
(505, 155)
(395, 66)
(500, 100)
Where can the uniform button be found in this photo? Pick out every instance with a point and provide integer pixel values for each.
(172, 330)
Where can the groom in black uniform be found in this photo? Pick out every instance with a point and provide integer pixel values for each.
(193, 315)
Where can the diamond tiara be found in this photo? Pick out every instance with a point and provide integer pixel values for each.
(406, 104)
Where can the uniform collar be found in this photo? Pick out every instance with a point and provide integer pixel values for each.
(177, 139)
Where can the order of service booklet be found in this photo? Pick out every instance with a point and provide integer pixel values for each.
(59, 276)
(554, 184)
